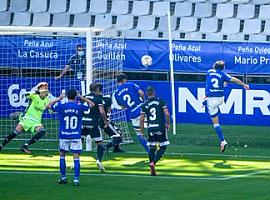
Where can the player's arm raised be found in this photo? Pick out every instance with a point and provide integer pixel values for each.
(239, 82)
(67, 68)
(88, 101)
(141, 93)
(54, 101)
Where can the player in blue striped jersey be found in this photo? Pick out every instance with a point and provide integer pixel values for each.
(130, 96)
(70, 117)
(216, 80)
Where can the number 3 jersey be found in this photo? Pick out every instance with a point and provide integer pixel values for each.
(70, 115)
(127, 96)
(153, 109)
(215, 82)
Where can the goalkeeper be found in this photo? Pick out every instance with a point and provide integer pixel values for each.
(30, 119)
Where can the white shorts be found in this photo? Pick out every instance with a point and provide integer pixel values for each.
(74, 145)
(136, 123)
(213, 104)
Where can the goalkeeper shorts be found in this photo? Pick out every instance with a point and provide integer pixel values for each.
(29, 125)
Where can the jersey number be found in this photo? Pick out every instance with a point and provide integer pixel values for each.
(214, 82)
(153, 113)
(71, 122)
(127, 98)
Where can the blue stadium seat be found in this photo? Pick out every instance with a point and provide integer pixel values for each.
(209, 25)
(146, 23)
(41, 19)
(83, 20)
(78, 6)
(214, 36)
(57, 6)
(257, 38)
(161, 8)
(252, 26)
(218, 1)
(264, 12)
(103, 21)
(124, 22)
(236, 37)
(203, 10)
(140, 8)
(230, 26)
(193, 36)
(5, 18)
(149, 34)
(224, 11)
(21, 19)
(18, 5)
(38, 6)
(183, 9)
(163, 23)
(130, 34)
(61, 20)
(245, 11)
(239, 1)
(120, 7)
(267, 27)
(98, 7)
(260, 2)
(188, 24)
(3, 5)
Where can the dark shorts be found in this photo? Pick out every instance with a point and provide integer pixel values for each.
(159, 137)
(112, 130)
(93, 131)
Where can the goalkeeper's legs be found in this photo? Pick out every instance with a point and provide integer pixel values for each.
(18, 130)
(40, 132)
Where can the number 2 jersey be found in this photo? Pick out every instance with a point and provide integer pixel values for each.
(70, 115)
(215, 82)
(153, 109)
(127, 95)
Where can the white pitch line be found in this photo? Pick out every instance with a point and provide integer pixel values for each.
(247, 175)
(118, 175)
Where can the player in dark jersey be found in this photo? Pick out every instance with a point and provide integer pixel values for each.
(70, 117)
(91, 123)
(158, 123)
(216, 79)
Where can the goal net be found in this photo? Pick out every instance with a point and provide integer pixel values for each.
(64, 58)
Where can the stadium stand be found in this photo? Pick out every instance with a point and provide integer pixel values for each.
(191, 19)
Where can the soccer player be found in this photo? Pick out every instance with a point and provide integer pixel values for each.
(112, 130)
(30, 119)
(158, 123)
(91, 122)
(70, 117)
(216, 79)
(76, 63)
(130, 96)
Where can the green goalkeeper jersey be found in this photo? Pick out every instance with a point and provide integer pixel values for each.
(35, 108)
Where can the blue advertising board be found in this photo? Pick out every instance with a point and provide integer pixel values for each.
(241, 107)
(188, 56)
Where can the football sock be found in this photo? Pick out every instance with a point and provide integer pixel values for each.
(219, 132)
(37, 136)
(152, 153)
(160, 153)
(77, 167)
(10, 137)
(143, 142)
(100, 152)
(63, 166)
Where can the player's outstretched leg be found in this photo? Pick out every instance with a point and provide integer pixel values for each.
(9, 138)
(143, 142)
(100, 153)
(159, 153)
(40, 133)
(116, 142)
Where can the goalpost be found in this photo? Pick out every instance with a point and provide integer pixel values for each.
(29, 55)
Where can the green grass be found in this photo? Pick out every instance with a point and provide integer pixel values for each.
(192, 169)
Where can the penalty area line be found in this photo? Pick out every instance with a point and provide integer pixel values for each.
(247, 175)
(118, 175)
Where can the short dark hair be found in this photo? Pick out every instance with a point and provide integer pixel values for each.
(79, 46)
(99, 86)
(220, 64)
(121, 77)
(71, 93)
(150, 91)
(93, 87)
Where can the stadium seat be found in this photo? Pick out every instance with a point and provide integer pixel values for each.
(146, 23)
(18, 5)
(257, 38)
(245, 11)
(61, 19)
(21, 19)
(203, 10)
(260, 2)
(218, 1)
(197, 1)
(130, 34)
(183, 9)
(161, 8)
(98, 7)
(149, 34)
(163, 23)
(236, 37)
(41, 19)
(224, 11)
(120, 7)
(193, 36)
(5, 18)
(175, 0)
(252, 26)
(230, 26)
(264, 12)
(38, 6)
(209, 25)
(78, 6)
(3, 5)
(103, 21)
(267, 27)
(140, 8)
(82, 20)
(124, 22)
(239, 1)
(57, 6)
(214, 36)
(188, 24)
